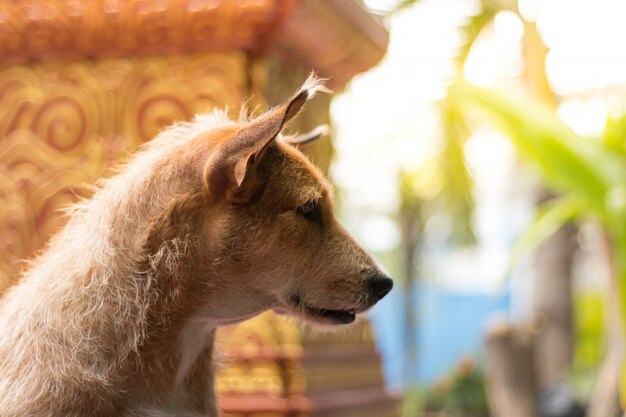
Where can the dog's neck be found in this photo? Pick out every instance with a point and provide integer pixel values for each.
(187, 309)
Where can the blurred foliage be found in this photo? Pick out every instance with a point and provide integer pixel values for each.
(614, 137)
(589, 349)
(422, 193)
(495, 4)
(549, 218)
(461, 393)
(472, 27)
(589, 174)
(403, 4)
(457, 201)
(570, 164)
(443, 185)
(589, 310)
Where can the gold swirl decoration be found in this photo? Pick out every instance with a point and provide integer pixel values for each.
(36, 181)
(163, 90)
(62, 125)
(49, 103)
(38, 176)
(16, 227)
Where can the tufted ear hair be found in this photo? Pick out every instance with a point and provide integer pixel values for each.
(306, 138)
(235, 167)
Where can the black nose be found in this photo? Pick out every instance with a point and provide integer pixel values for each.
(380, 286)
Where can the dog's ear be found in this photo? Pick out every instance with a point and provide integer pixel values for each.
(306, 138)
(233, 171)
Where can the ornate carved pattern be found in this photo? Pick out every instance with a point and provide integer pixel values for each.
(63, 125)
(36, 180)
(264, 366)
(35, 30)
(338, 38)
(333, 375)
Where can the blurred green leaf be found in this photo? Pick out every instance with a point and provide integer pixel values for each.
(549, 218)
(566, 161)
(589, 173)
(473, 28)
(442, 185)
(589, 309)
(462, 392)
(456, 197)
(614, 136)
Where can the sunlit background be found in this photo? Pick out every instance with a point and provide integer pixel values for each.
(391, 123)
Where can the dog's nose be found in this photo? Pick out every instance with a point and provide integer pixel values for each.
(380, 286)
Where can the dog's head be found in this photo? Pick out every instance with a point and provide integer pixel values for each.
(273, 229)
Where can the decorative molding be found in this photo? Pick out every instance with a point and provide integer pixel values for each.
(337, 38)
(44, 30)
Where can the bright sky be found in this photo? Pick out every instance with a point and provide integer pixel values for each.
(387, 120)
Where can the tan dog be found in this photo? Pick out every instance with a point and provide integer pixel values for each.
(213, 222)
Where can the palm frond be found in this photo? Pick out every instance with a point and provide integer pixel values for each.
(567, 162)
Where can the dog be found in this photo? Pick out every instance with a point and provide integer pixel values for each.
(211, 223)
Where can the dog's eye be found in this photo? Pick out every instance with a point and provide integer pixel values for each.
(310, 211)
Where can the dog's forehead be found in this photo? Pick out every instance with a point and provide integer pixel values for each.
(302, 163)
(296, 166)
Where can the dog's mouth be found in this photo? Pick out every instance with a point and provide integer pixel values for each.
(336, 316)
(323, 315)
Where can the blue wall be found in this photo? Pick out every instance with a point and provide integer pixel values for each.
(449, 326)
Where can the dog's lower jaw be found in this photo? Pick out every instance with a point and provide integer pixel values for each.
(171, 412)
(318, 316)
